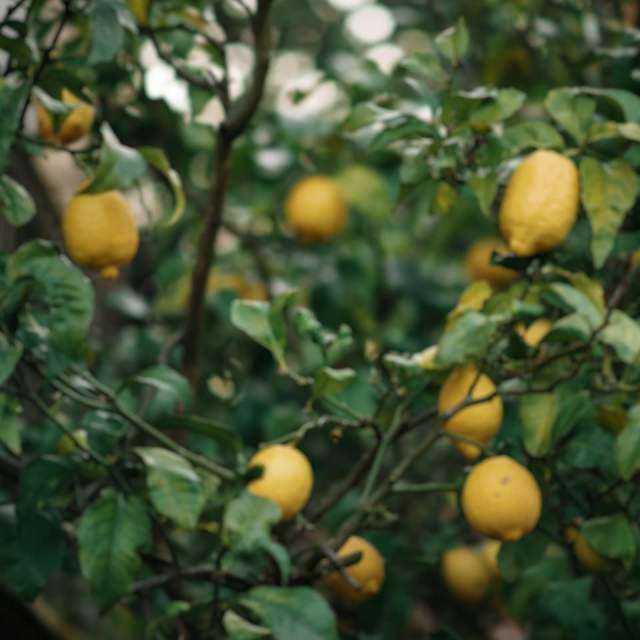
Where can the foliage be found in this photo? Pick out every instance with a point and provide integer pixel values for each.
(176, 382)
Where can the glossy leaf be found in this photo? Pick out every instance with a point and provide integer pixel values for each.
(16, 204)
(628, 446)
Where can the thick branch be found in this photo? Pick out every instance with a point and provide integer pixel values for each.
(235, 123)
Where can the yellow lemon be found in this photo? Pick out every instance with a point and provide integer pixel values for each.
(587, 556)
(489, 553)
(478, 421)
(74, 126)
(100, 232)
(478, 263)
(368, 572)
(316, 209)
(465, 574)
(287, 478)
(501, 499)
(540, 205)
(536, 332)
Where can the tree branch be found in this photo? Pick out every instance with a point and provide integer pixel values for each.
(234, 125)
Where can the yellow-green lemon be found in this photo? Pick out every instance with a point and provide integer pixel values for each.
(287, 478)
(479, 421)
(501, 499)
(478, 263)
(465, 574)
(540, 205)
(100, 232)
(368, 572)
(316, 209)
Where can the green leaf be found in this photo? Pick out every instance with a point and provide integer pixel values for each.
(10, 355)
(427, 66)
(207, 427)
(12, 100)
(238, 628)
(15, 202)
(623, 334)
(45, 482)
(259, 322)
(454, 42)
(628, 446)
(68, 296)
(174, 487)
(608, 192)
(505, 103)
(330, 381)
(292, 613)
(538, 414)
(247, 528)
(580, 302)
(32, 548)
(104, 431)
(171, 391)
(467, 339)
(611, 536)
(107, 34)
(515, 557)
(484, 186)
(157, 159)
(572, 111)
(111, 532)
(119, 167)
(531, 135)
(10, 425)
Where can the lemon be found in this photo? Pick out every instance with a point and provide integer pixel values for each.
(540, 205)
(287, 478)
(489, 553)
(536, 332)
(478, 263)
(368, 572)
(100, 232)
(75, 125)
(465, 574)
(501, 499)
(478, 421)
(588, 558)
(316, 209)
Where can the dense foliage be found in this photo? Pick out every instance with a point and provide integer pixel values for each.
(130, 408)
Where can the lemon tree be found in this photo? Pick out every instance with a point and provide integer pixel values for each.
(319, 319)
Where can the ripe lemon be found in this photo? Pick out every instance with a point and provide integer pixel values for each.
(478, 421)
(465, 574)
(316, 209)
(74, 126)
(501, 499)
(536, 332)
(478, 263)
(587, 556)
(368, 572)
(540, 205)
(100, 232)
(489, 553)
(287, 478)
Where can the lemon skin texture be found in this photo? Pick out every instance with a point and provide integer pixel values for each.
(465, 574)
(536, 332)
(501, 499)
(479, 421)
(479, 267)
(74, 126)
(316, 209)
(540, 205)
(368, 572)
(287, 478)
(100, 232)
